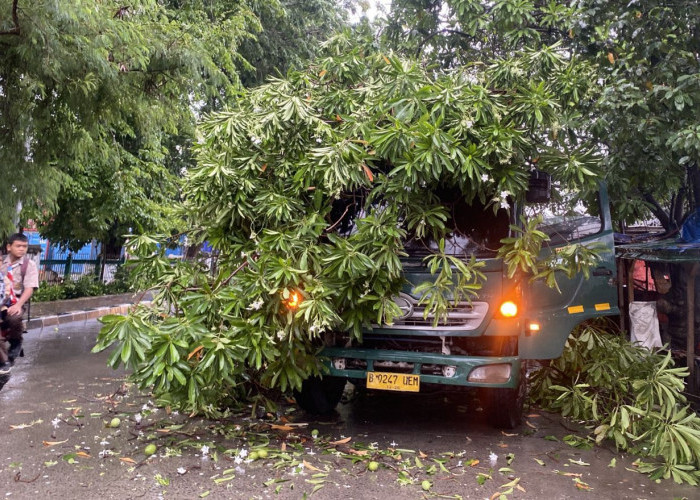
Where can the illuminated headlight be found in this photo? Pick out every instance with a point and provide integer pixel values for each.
(339, 363)
(449, 371)
(491, 374)
(509, 309)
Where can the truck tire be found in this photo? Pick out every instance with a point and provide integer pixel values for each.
(506, 406)
(320, 396)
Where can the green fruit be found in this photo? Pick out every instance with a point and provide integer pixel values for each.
(262, 453)
(149, 450)
(426, 485)
(372, 466)
(115, 422)
(314, 433)
(254, 455)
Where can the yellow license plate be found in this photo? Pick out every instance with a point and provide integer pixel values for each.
(393, 381)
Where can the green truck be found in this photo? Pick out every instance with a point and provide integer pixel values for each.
(482, 343)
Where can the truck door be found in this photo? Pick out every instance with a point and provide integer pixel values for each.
(566, 222)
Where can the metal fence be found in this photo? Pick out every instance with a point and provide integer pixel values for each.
(70, 269)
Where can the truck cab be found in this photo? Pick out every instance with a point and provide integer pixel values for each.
(484, 342)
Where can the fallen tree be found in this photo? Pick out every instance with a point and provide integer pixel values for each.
(275, 177)
(627, 394)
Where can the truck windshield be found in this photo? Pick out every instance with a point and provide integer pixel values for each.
(472, 227)
(567, 217)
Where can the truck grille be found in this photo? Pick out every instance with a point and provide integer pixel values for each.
(462, 316)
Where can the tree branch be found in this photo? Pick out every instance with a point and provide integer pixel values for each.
(677, 208)
(694, 182)
(15, 19)
(657, 210)
(440, 32)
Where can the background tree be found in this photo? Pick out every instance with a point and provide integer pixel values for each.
(90, 92)
(646, 54)
(99, 101)
(646, 119)
(291, 34)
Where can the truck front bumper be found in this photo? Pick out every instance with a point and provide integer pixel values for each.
(455, 370)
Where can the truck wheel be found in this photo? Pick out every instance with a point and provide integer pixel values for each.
(320, 396)
(506, 405)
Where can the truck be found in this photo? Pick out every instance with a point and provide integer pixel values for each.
(486, 342)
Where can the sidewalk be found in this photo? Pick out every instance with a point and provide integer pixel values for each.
(67, 311)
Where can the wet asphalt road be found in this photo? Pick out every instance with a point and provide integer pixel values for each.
(55, 444)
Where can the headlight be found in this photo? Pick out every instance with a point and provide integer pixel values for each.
(491, 374)
(293, 301)
(509, 309)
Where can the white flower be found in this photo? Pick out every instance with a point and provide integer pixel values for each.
(138, 418)
(145, 407)
(55, 422)
(183, 171)
(181, 470)
(255, 306)
(484, 177)
(319, 140)
(280, 334)
(504, 195)
(104, 442)
(492, 459)
(205, 450)
(394, 444)
(238, 460)
(243, 453)
(255, 140)
(469, 123)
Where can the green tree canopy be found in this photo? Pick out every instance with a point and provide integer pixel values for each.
(89, 93)
(98, 100)
(645, 118)
(276, 175)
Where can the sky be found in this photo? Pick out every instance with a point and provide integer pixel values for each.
(374, 9)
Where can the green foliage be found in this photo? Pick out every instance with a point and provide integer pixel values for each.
(98, 101)
(360, 132)
(647, 113)
(643, 116)
(627, 394)
(90, 92)
(48, 292)
(523, 254)
(520, 252)
(291, 33)
(85, 286)
(457, 280)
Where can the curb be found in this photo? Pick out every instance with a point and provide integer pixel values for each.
(69, 317)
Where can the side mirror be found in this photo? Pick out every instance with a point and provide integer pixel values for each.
(539, 187)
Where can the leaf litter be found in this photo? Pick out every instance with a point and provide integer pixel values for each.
(238, 446)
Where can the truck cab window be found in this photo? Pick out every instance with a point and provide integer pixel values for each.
(472, 227)
(567, 217)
